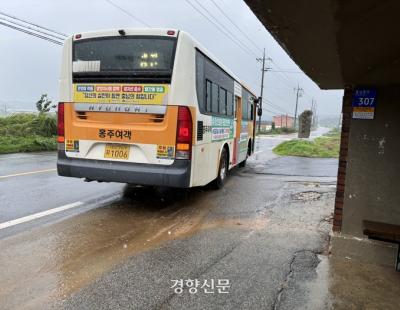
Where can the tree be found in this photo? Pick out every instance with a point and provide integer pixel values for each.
(44, 104)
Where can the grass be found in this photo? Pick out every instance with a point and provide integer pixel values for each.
(27, 144)
(27, 133)
(326, 146)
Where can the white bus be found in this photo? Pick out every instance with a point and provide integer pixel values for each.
(150, 107)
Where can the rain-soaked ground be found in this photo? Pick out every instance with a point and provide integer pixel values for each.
(263, 233)
(263, 239)
(266, 232)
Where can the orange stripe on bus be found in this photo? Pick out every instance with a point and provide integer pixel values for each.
(145, 128)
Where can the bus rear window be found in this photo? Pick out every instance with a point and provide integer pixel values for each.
(124, 54)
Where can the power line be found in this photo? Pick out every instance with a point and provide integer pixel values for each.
(234, 24)
(283, 72)
(269, 88)
(128, 13)
(278, 113)
(32, 24)
(287, 71)
(229, 34)
(219, 28)
(280, 70)
(281, 78)
(281, 111)
(250, 40)
(277, 107)
(276, 93)
(274, 110)
(225, 28)
(31, 33)
(33, 29)
(270, 111)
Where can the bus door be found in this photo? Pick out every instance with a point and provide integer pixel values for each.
(238, 121)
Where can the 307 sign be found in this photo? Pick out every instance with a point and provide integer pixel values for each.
(364, 103)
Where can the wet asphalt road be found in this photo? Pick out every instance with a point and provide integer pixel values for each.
(122, 247)
(41, 189)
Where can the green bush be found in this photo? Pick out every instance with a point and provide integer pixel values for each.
(28, 133)
(28, 124)
(44, 125)
(27, 144)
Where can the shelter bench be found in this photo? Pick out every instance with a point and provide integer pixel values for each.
(384, 232)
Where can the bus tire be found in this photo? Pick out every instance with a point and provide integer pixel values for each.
(242, 164)
(222, 170)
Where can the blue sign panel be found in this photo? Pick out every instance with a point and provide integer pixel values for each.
(364, 103)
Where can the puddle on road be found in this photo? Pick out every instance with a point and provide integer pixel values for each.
(50, 263)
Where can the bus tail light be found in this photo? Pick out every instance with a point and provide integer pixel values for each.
(60, 123)
(184, 133)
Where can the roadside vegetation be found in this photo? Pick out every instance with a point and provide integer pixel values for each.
(29, 132)
(326, 146)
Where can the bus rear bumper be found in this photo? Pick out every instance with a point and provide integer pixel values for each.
(175, 175)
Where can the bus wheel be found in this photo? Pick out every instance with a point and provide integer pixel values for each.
(222, 170)
(243, 163)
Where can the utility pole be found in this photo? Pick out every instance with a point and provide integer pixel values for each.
(314, 112)
(299, 92)
(263, 70)
(312, 115)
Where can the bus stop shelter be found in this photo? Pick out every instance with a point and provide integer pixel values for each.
(353, 45)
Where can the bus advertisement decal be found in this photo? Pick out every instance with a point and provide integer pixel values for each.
(221, 129)
(165, 151)
(121, 93)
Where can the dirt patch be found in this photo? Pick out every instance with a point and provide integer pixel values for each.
(307, 196)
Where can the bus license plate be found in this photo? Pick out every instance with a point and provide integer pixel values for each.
(116, 151)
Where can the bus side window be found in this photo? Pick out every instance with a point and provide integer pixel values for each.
(208, 96)
(200, 85)
(214, 98)
(251, 116)
(229, 102)
(236, 105)
(245, 108)
(222, 101)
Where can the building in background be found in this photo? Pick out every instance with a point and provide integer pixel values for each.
(266, 125)
(283, 121)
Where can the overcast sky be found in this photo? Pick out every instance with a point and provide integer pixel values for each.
(30, 66)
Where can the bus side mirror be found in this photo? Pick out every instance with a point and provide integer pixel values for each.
(259, 112)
